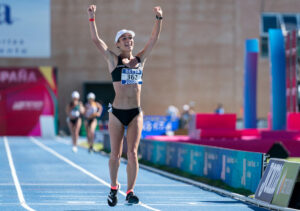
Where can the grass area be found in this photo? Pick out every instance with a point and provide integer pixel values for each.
(294, 159)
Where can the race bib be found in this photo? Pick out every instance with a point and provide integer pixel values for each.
(75, 113)
(131, 76)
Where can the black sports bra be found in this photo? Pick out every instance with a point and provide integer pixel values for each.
(117, 72)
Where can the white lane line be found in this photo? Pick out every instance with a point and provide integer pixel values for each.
(81, 202)
(34, 140)
(60, 184)
(94, 184)
(15, 177)
(71, 196)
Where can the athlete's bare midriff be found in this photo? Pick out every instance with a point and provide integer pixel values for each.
(127, 96)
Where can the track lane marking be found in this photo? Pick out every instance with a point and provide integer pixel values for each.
(15, 176)
(53, 152)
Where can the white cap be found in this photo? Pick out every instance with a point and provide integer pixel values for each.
(123, 31)
(186, 107)
(76, 95)
(91, 95)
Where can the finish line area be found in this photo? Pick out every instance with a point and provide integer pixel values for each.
(44, 174)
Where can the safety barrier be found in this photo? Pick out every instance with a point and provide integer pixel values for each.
(238, 169)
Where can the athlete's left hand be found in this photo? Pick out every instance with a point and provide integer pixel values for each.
(158, 11)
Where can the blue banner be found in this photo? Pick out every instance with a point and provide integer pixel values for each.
(212, 163)
(159, 153)
(238, 169)
(159, 125)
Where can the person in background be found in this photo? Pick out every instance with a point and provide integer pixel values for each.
(74, 111)
(93, 110)
(185, 117)
(192, 108)
(219, 109)
(172, 112)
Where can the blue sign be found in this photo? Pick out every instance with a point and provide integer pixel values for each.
(171, 154)
(238, 169)
(159, 152)
(158, 125)
(212, 163)
(193, 161)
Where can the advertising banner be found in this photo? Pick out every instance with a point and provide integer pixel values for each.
(171, 154)
(25, 29)
(193, 161)
(159, 125)
(269, 181)
(25, 95)
(212, 163)
(236, 168)
(285, 187)
(159, 153)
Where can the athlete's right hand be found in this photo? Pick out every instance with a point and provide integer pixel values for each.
(92, 11)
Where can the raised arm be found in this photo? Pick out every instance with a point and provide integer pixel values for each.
(107, 54)
(154, 35)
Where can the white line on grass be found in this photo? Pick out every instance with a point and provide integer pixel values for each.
(15, 177)
(34, 140)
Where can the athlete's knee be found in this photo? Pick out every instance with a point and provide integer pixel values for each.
(132, 156)
(115, 157)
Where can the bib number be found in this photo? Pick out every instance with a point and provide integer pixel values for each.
(131, 76)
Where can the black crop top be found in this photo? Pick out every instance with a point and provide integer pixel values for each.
(117, 72)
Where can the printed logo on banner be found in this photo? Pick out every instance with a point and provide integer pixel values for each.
(269, 181)
(181, 156)
(248, 170)
(253, 175)
(21, 75)
(171, 156)
(158, 125)
(195, 161)
(212, 163)
(286, 184)
(159, 152)
(5, 14)
(230, 167)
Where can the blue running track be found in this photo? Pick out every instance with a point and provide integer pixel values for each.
(44, 174)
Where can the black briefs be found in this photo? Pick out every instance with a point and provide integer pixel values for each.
(74, 121)
(126, 115)
(89, 121)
